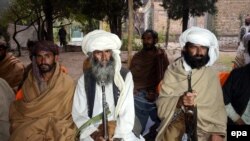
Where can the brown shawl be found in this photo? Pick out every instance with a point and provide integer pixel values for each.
(11, 69)
(44, 115)
(212, 116)
(147, 67)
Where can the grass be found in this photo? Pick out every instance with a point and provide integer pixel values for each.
(224, 63)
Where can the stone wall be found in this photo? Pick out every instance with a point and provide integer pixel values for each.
(230, 16)
(225, 23)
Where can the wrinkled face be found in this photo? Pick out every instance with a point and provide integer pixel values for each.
(102, 57)
(148, 41)
(195, 55)
(103, 66)
(46, 61)
(2, 53)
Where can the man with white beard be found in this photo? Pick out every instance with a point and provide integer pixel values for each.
(103, 49)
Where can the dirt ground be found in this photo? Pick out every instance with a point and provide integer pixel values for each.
(73, 60)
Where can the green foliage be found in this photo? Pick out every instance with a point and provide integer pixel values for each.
(175, 8)
(136, 45)
(114, 11)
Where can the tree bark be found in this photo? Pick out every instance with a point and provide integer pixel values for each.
(130, 31)
(185, 16)
(48, 11)
(115, 25)
(167, 33)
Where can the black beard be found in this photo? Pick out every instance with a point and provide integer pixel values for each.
(194, 62)
(103, 73)
(2, 57)
(45, 68)
(148, 47)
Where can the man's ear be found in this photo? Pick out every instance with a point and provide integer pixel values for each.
(56, 58)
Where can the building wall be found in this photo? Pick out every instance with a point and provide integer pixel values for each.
(230, 16)
(225, 24)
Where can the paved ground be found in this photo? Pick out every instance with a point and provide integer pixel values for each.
(73, 60)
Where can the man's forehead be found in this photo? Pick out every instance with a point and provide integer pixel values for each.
(40, 52)
(102, 50)
(197, 45)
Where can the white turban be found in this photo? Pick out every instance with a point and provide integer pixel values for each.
(246, 39)
(103, 40)
(203, 37)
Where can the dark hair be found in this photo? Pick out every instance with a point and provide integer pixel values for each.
(247, 20)
(45, 46)
(153, 33)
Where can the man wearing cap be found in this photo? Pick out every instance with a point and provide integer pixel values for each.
(236, 92)
(11, 68)
(200, 51)
(105, 72)
(44, 112)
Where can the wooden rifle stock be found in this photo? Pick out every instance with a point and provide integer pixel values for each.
(104, 116)
(191, 116)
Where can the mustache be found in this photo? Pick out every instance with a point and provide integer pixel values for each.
(41, 65)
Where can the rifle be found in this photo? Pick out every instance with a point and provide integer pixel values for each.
(191, 116)
(104, 116)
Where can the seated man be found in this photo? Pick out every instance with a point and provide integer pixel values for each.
(104, 82)
(44, 112)
(11, 68)
(236, 91)
(148, 67)
(190, 81)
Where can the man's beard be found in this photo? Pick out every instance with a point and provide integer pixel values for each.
(2, 57)
(196, 61)
(45, 68)
(148, 47)
(103, 73)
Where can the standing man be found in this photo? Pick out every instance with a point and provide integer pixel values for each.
(148, 67)
(242, 57)
(11, 68)
(44, 112)
(62, 36)
(103, 50)
(200, 51)
(236, 91)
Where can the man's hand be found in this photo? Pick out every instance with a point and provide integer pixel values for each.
(97, 136)
(111, 131)
(240, 122)
(216, 137)
(188, 98)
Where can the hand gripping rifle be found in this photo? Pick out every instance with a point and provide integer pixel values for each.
(191, 116)
(104, 116)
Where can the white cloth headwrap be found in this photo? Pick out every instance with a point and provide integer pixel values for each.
(246, 38)
(103, 40)
(203, 37)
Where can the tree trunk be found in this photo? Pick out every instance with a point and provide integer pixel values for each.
(48, 10)
(115, 25)
(185, 15)
(130, 31)
(167, 32)
(14, 38)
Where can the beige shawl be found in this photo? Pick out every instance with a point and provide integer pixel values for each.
(11, 69)
(210, 105)
(44, 115)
